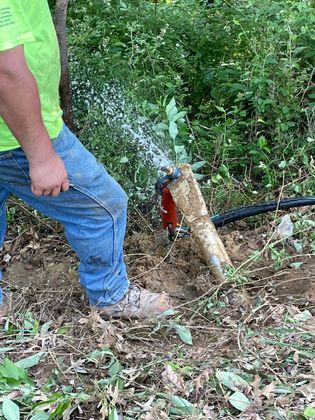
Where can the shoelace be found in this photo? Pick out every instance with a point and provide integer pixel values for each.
(135, 302)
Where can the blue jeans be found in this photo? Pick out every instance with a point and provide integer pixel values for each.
(93, 212)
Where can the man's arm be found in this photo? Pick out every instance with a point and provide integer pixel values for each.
(20, 109)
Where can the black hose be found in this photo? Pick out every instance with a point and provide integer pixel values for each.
(254, 209)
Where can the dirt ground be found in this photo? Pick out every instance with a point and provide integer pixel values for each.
(42, 274)
(160, 265)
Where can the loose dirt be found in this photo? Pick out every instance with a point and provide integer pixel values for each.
(158, 264)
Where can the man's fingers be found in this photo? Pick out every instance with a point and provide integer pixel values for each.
(65, 185)
(36, 191)
(55, 192)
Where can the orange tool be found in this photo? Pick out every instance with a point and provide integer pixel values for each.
(168, 210)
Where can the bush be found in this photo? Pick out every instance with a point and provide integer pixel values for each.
(243, 71)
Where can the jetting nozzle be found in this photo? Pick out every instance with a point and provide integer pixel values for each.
(173, 172)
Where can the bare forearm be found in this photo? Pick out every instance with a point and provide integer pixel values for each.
(20, 108)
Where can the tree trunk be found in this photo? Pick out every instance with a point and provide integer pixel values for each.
(64, 87)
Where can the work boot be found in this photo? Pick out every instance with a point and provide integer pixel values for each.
(138, 303)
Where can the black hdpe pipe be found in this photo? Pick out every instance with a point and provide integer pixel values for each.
(253, 210)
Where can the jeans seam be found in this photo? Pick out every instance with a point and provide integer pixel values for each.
(26, 175)
(114, 299)
(108, 209)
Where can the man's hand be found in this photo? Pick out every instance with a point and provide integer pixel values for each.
(49, 177)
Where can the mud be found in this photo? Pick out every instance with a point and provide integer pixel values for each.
(179, 268)
(47, 277)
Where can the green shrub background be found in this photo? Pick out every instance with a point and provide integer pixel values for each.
(242, 70)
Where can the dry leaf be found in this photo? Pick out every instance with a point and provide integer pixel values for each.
(147, 405)
(170, 377)
(283, 401)
(11, 396)
(208, 412)
(308, 391)
(255, 385)
(201, 380)
(268, 390)
(155, 414)
(113, 392)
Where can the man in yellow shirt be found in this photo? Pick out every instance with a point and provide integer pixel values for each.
(45, 165)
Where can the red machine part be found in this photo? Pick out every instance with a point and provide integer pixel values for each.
(168, 210)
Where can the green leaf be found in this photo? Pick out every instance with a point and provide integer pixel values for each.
(40, 416)
(63, 329)
(45, 327)
(184, 406)
(303, 316)
(197, 165)
(171, 109)
(239, 401)
(61, 408)
(309, 412)
(231, 380)
(9, 370)
(198, 176)
(160, 127)
(10, 410)
(173, 130)
(219, 108)
(30, 361)
(168, 312)
(296, 264)
(118, 44)
(97, 355)
(181, 154)
(311, 95)
(183, 332)
(113, 415)
(124, 159)
(6, 349)
(178, 116)
(224, 171)
(115, 367)
(298, 246)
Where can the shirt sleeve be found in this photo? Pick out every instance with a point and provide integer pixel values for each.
(15, 28)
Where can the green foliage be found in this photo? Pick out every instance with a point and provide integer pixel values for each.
(240, 73)
(183, 332)
(10, 410)
(309, 412)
